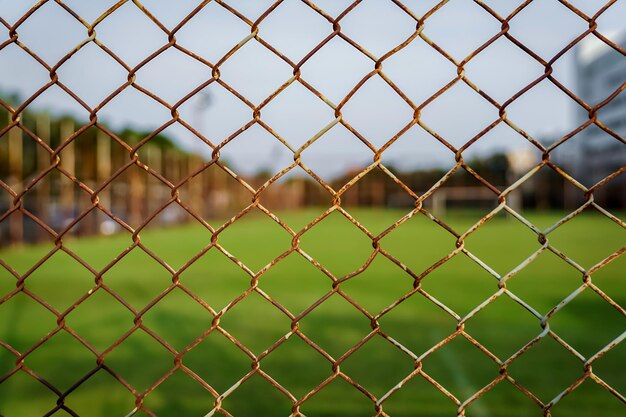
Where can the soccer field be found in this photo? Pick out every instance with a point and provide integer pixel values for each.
(587, 324)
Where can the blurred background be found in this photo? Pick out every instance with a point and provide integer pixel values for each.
(591, 69)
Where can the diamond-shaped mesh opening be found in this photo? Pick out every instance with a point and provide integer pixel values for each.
(367, 23)
(255, 228)
(179, 393)
(336, 68)
(608, 367)
(297, 115)
(545, 281)
(216, 23)
(100, 331)
(429, 323)
(216, 279)
(462, 201)
(218, 361)
(546, 369)
(215, 112)
(490, 325)
(49, 278)
(61, 360)
(588, 323)
(419, 390)
(297, 366)
(26, 323)
(90, 87)
(137, 278)
(602, 235)
(335, 326)
(337, 149)
(22, 382)
(377, 112)
(542, 40)
(504, 398)
(242, 323)
(84, 399)
(539, 109)
(257, 83)
(256, 155)
(140, 360)
(154, 238)
(141, 113)
(460, 367)
(379, 286)
(380, 191)
(178, 319)
(502, 234)
(460, 283)
(459, 99)
(503, 69)
(338, 397)
(16, 61)
(587, 399)
(257, 396)
(608, 278)
(377, 366)
(331, 236)
(51, 24)
(279, 279)
(154, 75)
(473, 28)
(147, 37)
(405, 66)
(295, 29)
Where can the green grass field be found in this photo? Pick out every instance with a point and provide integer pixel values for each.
(588, 323)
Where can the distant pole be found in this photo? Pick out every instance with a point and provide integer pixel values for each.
(16, 162)
(43, 162)
(438, 200)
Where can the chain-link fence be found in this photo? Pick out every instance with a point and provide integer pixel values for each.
(167, 190)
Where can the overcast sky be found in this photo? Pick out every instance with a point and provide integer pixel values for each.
(376, 111)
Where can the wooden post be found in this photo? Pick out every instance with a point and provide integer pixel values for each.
(196, 196)
(68, 163)
(136, 196)
(16, 161)
(378, 193)
(43, 162)
(103, 172)
(154, 188)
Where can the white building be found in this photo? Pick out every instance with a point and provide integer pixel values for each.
(600, 71)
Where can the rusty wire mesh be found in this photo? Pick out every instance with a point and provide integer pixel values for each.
(377, 62)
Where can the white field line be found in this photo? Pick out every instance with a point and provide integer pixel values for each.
(455, 368)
